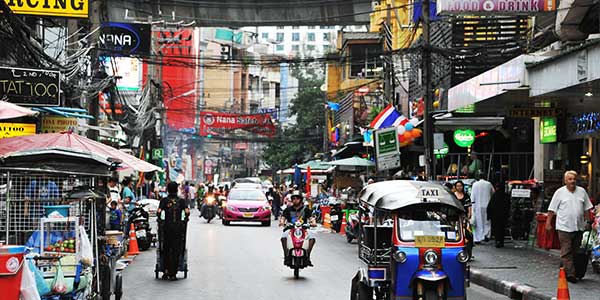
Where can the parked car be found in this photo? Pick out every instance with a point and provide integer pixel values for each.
(247, 204)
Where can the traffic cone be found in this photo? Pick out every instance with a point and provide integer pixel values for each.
(327, 220)
(133, 245)
(562, 292)
(343, 227)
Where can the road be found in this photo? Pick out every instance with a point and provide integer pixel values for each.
(229, 262)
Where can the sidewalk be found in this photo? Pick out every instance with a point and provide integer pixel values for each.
(531, 272)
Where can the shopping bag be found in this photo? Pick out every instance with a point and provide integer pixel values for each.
(59, 285)
(29, 289)
(87, 254)
(42, 286)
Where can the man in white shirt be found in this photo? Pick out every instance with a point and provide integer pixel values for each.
(571, 206)
(481, 193)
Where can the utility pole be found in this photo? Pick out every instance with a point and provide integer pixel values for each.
(387, 85)
(426, 84)
(92, 99)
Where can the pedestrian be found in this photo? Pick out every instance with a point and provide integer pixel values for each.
(276, 201)
(192, 195)
(421, 175)
(476, 166)
(498, 212)
(465, 200)
(173, 214)
(116, 217)
(128, 195)
(570, 204)
(481, 193)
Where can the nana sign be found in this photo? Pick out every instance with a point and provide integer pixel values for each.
(30, 87)
(461, 7)
(256, 123)
(54, 8)
(464, 137)
(125, 38)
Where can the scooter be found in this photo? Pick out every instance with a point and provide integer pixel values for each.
(297, 247)
(222, 203)
(143, 232)
(336, 215)
(352, 227)
(209, 208)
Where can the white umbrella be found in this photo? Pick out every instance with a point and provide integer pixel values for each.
(353, 161)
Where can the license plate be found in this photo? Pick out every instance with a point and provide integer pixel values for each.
(428, 241)
(248, 215)
(334, 218)
(140, 233)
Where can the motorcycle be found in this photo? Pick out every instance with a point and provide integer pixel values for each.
(297, 246)
(336, 214)
(143, 232)
(209, 208)
(352, 227)
(222, 203)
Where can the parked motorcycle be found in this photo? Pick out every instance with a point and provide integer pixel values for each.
(352, 227)
(297, 246)
(209, 208)
(336, 214)
(143, 232)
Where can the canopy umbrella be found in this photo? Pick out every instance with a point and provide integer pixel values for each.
(353, 161)
(297, 176)
(70, 144)
(10, 111)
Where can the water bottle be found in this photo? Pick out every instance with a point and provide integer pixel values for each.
(162, 215)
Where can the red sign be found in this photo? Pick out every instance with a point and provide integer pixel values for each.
(362, 91)
(256, 123)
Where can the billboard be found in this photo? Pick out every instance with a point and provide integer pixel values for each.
(56, 8)
(459, 7)
(31, 87)
(16, 129)
(125, 38)
(51, 124)
(255, 123)
(127, 69)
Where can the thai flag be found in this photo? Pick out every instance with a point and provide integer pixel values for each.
(387, 118)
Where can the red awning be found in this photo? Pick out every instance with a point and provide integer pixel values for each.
(40, 143)
(11, 111)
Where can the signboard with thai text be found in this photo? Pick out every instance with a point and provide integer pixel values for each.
(256, 123)
(58, 124)
(547, 130)
(461, 7)
(16, 129)
(30, 87)
(53, 8)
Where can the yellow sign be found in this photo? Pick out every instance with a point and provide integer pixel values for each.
(55, 8)
(429, 241)
(58, 124)
(16, 129)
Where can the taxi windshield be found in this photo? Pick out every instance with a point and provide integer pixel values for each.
(429, 222)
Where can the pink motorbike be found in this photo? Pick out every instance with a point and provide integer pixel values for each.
(297, 246)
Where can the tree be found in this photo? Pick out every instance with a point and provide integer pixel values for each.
(304, 139)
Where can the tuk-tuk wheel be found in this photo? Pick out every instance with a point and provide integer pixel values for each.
(365, 292)
(119, 287)
(156, 274)
(185, 274)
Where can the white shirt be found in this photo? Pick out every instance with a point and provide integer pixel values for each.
(481, 193)
(569, 208)
(114, 194)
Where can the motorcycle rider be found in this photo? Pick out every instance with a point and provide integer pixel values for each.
(209, 193)
(296, 212)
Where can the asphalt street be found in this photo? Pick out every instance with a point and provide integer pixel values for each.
(245, 262)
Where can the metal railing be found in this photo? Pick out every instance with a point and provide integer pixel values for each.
(495, 165)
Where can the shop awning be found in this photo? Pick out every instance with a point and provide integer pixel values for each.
(291, 171)
(10, 111)
(475, 123)
(70, 144)
(353, 161)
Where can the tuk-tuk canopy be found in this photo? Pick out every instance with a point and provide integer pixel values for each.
(397, 194)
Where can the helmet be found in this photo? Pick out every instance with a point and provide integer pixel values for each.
(296, 194)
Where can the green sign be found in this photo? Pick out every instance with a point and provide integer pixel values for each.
(157, 154)
(387, 142)
(441, 153)
(464, 137)
(468, 109)
(547, 130)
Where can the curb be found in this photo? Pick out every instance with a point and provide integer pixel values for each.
(513, 290)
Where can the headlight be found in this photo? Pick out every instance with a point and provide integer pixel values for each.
(462, 256)
(431, 257)
(231, 208)
(399, 256)
(210, 200)
(266, 207)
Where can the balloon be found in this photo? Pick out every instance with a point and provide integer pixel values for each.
(414, 122)
(436, 104)
(401, 138)
(409, 126)
(407, 136)
(417, 133)
(401, 130)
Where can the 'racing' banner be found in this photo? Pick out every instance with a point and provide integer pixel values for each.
(256, 123)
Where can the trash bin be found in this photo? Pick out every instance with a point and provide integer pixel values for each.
(11, 263)
(546, 239)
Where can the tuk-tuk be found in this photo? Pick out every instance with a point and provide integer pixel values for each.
(412, 244)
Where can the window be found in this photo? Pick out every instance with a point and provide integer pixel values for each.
(364, 61)
(295, 37)
(326, 48)
(279, 48)
(326, 36)
(311, 27)
(311, 36)
(265, 35)
(238, 194)
(310, 47)
(296, 48)
(279, 27)
(326, 27)
(295, 27)
(280, 36)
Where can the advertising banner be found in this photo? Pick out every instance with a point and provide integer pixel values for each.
(256, 123)
(387, 149)
(16, 129)
(30, 87)
(54, 8)
(460, 7)
(58, 124)
(125, 38)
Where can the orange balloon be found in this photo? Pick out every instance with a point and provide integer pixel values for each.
(417, 133)
(407, 135)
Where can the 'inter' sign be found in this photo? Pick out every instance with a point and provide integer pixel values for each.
(55, 8)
